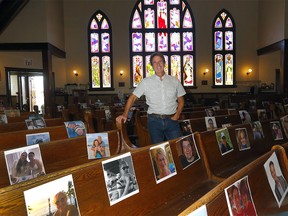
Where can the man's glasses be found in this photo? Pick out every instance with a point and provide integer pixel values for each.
(62, 201)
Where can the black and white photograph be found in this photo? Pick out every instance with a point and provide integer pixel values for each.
(120, 178)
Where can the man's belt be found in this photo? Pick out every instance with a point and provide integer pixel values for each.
(161, 116)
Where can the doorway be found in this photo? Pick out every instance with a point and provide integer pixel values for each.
(25, 89)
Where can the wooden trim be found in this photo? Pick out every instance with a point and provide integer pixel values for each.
(271, 48)
(20, 47)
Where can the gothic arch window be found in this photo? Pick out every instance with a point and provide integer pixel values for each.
(224, 59)
(167, 27)
(100, 52)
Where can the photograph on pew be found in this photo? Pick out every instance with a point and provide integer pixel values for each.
(276, 179)
(276, 130)
(209, 112)
(37, 138)
(284, 122)
(12, 112)
(257, 130)
(33, 123)
(120, 178)
(3, 119)
(187, 151)
(97, 145)
(245, 116)
(242, 139)
(210, 123)
(162, 162)
(262, 115)
(75, 128)
(24, 163)
(239, 199)
(57, 197)
(224, 141)
(279, 109)
(186, 127)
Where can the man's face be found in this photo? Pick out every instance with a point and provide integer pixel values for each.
(187, 149)
(158, 66)
(61, 202)
(273, 172)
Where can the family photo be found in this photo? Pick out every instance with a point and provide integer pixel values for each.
(97, 145)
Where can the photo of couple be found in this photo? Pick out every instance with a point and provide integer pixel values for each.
(24, 163)
(97, 145)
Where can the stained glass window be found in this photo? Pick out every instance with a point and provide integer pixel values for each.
(100, 52)
(224, 50)
(165, 26)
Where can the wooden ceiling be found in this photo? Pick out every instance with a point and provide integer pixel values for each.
(9, 10)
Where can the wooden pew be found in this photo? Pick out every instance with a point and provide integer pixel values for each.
(16, 139)
(198, 124)
(16, 126)
(261, 192)
(225, 165)
(168, 197)
(65, 153)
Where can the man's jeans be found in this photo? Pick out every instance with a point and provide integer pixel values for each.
(163, 129)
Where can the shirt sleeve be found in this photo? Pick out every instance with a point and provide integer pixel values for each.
(140, 89)
(180, 89)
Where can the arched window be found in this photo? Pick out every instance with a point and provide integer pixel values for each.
(224, 60)
(100, 52)
(167, 27)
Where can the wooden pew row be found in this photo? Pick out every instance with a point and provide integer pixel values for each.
(65, 153)
(16, 126)
(198, 124)
(225, 165)
(22, 117)
(16, 139)
(168, 197)
(262, 195)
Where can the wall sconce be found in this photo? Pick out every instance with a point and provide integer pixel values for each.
(249, 71)
(121, 72)
(75, 73)
(206, 71)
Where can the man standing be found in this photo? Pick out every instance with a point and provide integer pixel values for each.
(164, 96)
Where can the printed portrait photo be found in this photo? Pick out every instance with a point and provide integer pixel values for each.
(185, 126)
(276, 130)
(262, 115)
(3, 119)
(242, 139)
(39, 122)
(57, 197)
(276, 179)
(24, 163)
(162, 162)
(75, 128)
(284, 122)
(245, 116)
(119, 174)
(97, 145)
(257, 130)
(224, 141)
(209, 112)
(210, 123)
(37, 138)
(239, 199)
(187, 151)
